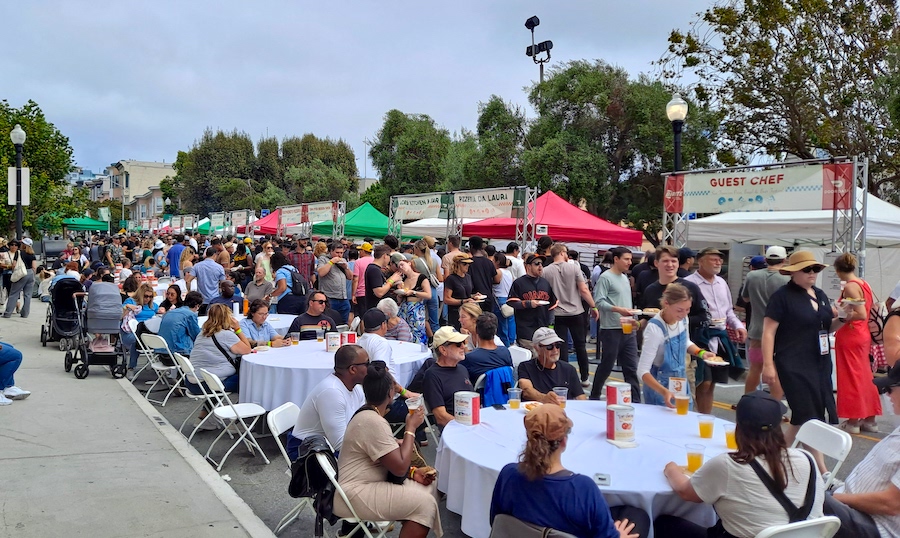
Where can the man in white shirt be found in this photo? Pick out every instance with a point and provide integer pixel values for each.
(868, 504)
(329, 407)
(517, 267)
(373, 341)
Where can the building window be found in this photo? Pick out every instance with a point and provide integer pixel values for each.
(159, 205)
(127, 180)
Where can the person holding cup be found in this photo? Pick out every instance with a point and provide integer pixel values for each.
(258, 330)
(542, 375)
(666, 342)
(733, 483)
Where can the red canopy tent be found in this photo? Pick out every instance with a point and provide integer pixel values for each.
(564, 221)
(267, 225)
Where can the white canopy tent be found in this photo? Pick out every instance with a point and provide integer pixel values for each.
(810, 230)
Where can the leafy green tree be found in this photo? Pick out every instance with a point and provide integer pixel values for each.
(501, 134)
(377, 196)
(210, 171)
(268, 166)
(48, 155)
(459, 166)
(795, 77)
(317, 182)
(408, 152)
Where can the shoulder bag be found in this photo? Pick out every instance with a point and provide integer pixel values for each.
(235, 361)
(20, 271)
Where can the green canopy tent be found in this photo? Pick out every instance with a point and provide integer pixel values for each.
(204, 227)
(364, 221)
(85, 224)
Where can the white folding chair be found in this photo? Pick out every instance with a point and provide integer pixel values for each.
(331, 472)
(232, 414)
(519, 355)
(187, 368)
(280, 420)
(143, 351)
(479, 383)
(354, 325)
(154, 342)
(833, 442)
(823, 527)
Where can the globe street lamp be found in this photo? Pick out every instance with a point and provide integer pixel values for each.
(677, 110)
(17, 135)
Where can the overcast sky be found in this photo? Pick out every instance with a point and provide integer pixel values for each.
(142, 80)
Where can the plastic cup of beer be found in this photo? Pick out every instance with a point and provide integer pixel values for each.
(694, 457)
(706, 423)
(730, 441)
(413, 403)
(562, 393)
(295, 339)
(515, 397)
(627, 324)
(682, 403)
(320, 335)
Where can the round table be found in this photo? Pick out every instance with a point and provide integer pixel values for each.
(288, 374)
(280, 322)
(469, 459)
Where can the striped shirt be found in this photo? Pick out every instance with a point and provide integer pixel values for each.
(307, 325)
(876, 472)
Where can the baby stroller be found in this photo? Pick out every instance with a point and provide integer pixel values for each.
(62, 316)
(103, 316)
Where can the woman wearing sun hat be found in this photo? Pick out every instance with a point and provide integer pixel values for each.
(795, 344)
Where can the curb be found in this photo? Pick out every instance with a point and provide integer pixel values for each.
(222, 490)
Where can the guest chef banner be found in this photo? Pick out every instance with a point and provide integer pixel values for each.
(793, 188)
(291, 214)
(216, 221)
(488, 203)
(189, 222)
(175, 223)
(319, 212)
(240, 218)
(421, 206)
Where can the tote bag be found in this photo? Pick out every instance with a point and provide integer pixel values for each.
(20, 271)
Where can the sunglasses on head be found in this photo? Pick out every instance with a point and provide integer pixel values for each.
(813, 269)
(555, 345)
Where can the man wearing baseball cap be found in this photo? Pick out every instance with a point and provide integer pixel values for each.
(358, 282)
(759, 286)
(868, 504)
(447, 376)
(539, 376)
(531, 297)
(303, 261)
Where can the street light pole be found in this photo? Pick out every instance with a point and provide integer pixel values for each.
(536, 49)
(677, 110)
(17, 135)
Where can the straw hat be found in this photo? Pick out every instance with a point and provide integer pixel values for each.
(800, 260)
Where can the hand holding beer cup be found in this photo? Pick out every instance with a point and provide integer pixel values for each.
(669, 399)
(415, 418)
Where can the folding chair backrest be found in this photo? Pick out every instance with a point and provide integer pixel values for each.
(823, 527)
(280, 420)
(187, 368)
(833, 442)
(507, 526)
(133, 325)
(331, 473)
(479, 383)
(154, 342)
(213, 382)
(519, 355)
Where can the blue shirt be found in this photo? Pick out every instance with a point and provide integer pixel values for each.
(571, 504)
(480, 360)
(173, 257)
(284, 273)
(147, 311)
(208, 274)
(179, 328)
(258, 334)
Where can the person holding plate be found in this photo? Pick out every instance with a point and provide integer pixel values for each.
(458, 287)
(666, 343)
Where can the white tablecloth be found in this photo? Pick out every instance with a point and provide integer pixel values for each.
(288, 374)
(280, 322)
(469, 459)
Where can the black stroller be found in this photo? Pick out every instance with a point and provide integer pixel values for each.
(62, 316)
(103, 316)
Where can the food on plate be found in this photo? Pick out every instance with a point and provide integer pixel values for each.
(651, 311)
(531, 405)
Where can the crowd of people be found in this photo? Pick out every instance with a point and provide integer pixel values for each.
(469, 303)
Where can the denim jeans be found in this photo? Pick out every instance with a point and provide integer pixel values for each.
(432, 305)
(10, 360)
(342, 307)
(129, 344)
(506, 327)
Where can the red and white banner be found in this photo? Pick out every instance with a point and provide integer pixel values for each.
(793, 188)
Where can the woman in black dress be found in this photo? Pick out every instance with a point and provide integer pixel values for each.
(795, 345)
(457, 287)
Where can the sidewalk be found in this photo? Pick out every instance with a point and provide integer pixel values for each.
(92, 458)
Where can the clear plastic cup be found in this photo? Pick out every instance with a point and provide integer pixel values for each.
(562, 393)
(295, 339)
(694, 457)
(730, 440)
(413, 403)
(706, 423)
(515, 397)
(682, 404)
(320, 335)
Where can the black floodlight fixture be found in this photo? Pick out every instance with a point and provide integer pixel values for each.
(532, 22)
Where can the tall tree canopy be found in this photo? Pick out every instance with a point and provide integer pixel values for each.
(795, 77)
(48, 155)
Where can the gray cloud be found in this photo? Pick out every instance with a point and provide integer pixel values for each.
(142, 80)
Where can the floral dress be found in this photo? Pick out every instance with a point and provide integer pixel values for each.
(415, 313)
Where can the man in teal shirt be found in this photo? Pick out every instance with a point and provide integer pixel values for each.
(179, 327)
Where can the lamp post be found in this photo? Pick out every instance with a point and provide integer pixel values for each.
(17, 135)
(168, 202)
(535, 49)
(677, 110)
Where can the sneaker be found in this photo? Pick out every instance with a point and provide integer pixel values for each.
(209, 425)
(849, 428)
(15, 393)
(870, 427)
(129, 375)
(585, 383)
(835, 484)
(4, 400)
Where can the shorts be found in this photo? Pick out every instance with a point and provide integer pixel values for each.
(755, 355)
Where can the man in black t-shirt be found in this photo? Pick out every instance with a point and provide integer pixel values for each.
(313, 319)
(532, 298)
(376, 285)
(483, 273)
(539, 376)
(447, 376)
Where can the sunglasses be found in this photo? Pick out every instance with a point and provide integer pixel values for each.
(456, 344)
(551, 347)
(149, 296)
(320, 301)
(813, 269)
(536, 263)
(366, 364)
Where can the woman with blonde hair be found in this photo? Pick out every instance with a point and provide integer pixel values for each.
(857, 397)
(468, 315)
(264, 259)
(21, 251)
(142, 305)
(539, 490)
(219, 347)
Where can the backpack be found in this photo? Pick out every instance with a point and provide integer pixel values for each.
(299, 284)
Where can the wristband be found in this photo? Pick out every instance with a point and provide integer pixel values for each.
(390, 282)
(701, 353)
(594, 308)
(330, 262)
(412, 471)
(238, 331)
(407, 432)
(402, 392)
(269, 343)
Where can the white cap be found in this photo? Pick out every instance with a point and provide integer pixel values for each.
(776, 253)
